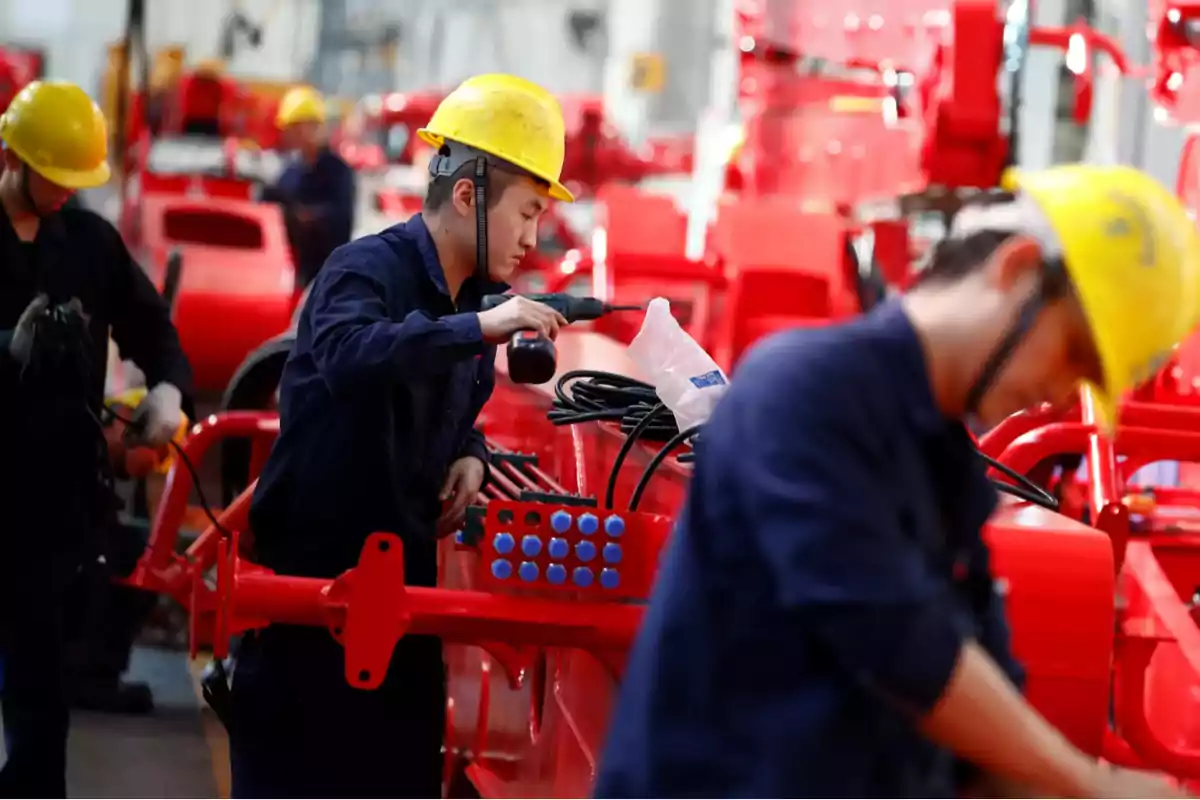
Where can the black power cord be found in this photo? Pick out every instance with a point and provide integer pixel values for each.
(592, 395)
(1023, 488)
(205, 506)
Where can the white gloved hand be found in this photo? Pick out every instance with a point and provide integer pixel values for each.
(157, 417)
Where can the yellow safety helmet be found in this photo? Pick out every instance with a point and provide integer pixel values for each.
(510, 118)
(209, 68)
(60, 133)
(300, 104)
(1133, 257)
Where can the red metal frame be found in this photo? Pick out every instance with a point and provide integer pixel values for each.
(560, 646)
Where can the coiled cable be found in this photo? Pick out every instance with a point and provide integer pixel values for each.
(593, 396)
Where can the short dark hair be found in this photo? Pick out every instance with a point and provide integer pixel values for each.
(441, 188)
(955, 257)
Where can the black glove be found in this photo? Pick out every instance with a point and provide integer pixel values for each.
(20, 346)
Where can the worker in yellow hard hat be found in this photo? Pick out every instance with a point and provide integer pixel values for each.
(317, 189)
(392, 363)
(203, 94)
(67, 283)
(825, 622)
(164, 83)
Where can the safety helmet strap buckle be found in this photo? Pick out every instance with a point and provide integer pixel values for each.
(450, 158)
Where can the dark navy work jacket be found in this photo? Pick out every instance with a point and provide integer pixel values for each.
(326, 188)
(378, 397)
(54, 498)
(818, 586)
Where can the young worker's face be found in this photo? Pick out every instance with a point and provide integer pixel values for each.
(301, 135)
(1054, 357)
(47, 197)
(512, 226)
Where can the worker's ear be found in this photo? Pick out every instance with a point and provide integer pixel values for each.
(1015, 258)
(463, 196)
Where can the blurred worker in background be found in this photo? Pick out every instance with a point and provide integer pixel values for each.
(66, 283)
(202, 94)
(393, 361)
(164, 87)
(825, 623)
(317, 189)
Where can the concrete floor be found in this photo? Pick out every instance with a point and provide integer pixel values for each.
(168, 754)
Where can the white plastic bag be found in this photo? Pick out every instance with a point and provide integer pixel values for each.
(686, 378)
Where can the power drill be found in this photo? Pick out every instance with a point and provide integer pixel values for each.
(532, 358)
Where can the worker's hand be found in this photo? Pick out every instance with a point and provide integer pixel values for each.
(21, 345)
(1129, 783)
(464, 479)
(156, 419)
(519, 314)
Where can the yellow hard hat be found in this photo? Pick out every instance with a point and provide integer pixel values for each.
(1133, 257)
(300, 104)
(507, 117)
(210, 68)
(60, 133)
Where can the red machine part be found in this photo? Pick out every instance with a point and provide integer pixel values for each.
(561, 655)
(389, 123)
(237, 288)
(568, 650)
(569, 549)
(1157, 649)
(18, 67)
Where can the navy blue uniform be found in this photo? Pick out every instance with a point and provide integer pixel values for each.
(821, 579)
(56, 507)
(325, 189)
(379, 396)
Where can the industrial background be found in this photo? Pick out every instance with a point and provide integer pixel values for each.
(743, 172)
(353, 47)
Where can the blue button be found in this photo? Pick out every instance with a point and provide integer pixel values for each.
(583, 577)
(531, 546)
(560, 521)
(556, 573)
(612, 553)
(502, 569)
(528, 571)
(504, 543)
(458, 537)
(610, 578)
(614, 525)
(586, 551)
(588, 524)
(559, 548)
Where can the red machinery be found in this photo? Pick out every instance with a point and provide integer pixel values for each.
(534, 652)
(197, 197)
(18, 66)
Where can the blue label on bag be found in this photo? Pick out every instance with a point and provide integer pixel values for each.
(714, 378)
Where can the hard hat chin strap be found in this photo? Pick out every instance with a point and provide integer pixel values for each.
(481, 232)
(27, 193)
(452, 157)
(1051, 287)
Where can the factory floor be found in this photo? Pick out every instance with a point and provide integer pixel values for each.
(179, 750)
